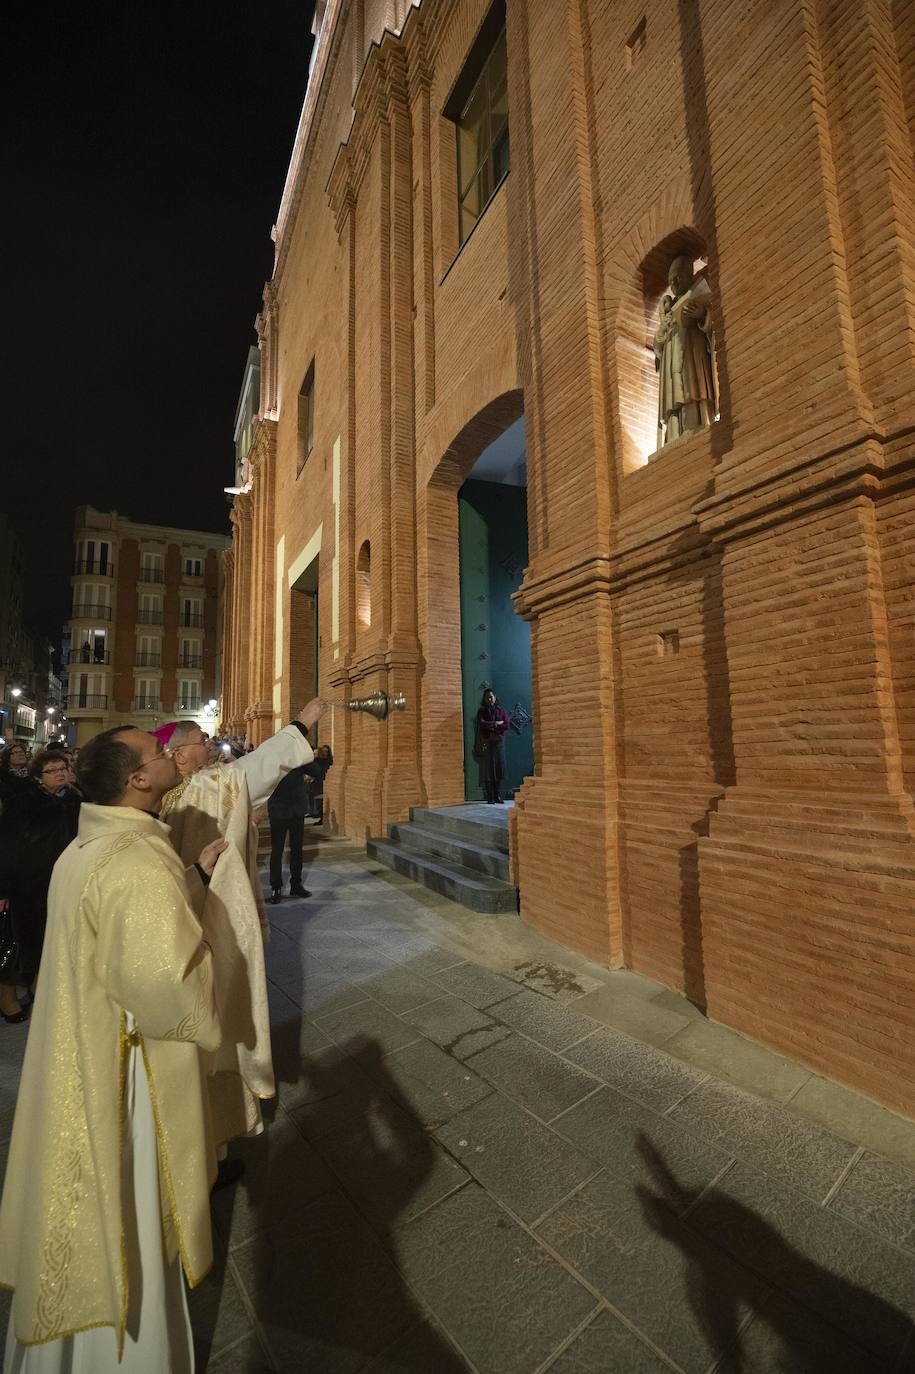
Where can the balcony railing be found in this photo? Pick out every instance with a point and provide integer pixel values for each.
(87, 701)
(190, 661)
(188, 620)
(188, 705)
(152, 575)
(97, 567)
(90, 656)
(146, 703)
(148, 660)
(90, 611)
(150, 617)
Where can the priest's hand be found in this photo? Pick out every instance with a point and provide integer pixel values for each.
(210, 853)
(312, 713)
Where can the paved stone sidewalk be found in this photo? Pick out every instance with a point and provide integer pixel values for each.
(491, 1155)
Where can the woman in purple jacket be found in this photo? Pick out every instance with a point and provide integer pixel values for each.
(489, 747)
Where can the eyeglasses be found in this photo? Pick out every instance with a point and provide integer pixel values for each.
(58, 768)
(159, 754)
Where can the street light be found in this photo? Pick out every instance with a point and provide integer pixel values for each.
(51, 710)
(16, 692)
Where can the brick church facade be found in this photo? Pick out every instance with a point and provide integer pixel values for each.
(722, 630)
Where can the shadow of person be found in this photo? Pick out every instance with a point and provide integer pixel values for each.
(846, 1328)
(343, 1164)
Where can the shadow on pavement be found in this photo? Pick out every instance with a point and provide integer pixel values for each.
(814, 1315)
(316, 1211)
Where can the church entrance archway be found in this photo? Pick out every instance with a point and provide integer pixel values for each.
(477, 483)
(495, 641)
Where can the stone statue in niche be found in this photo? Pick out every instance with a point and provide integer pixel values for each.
(684, 348)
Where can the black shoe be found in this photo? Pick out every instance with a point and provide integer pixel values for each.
(229, 1171)
(276, 895)
(16, 1018)
(297, 890)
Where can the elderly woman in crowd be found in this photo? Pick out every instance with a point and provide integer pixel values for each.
(38, 822)
(14, 772)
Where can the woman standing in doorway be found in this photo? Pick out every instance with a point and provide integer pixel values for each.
(489, 744)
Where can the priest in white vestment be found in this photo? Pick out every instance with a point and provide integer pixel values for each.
(106, 1199)
(213, 801)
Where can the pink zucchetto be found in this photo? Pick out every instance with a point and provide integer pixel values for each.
(165, 732)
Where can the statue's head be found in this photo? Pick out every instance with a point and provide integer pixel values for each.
(680, 276)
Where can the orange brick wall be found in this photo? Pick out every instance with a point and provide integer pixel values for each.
(732, 816)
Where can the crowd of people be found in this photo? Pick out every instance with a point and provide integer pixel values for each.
(39, 812)
(131, 935)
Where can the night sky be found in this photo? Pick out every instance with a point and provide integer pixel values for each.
(148, 159)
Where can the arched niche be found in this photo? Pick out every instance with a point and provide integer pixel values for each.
(364, 587)
(636, 325)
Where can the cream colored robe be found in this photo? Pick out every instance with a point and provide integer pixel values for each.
(122, 936)
(212, 803)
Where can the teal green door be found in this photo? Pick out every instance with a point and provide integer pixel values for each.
(495, 641)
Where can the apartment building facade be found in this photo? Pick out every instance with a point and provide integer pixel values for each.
(144, 635)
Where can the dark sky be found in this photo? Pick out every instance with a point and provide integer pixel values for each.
(150, 145)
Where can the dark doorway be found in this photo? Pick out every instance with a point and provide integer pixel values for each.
(495, 641)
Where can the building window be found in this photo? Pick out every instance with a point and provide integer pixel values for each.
(152, 567)
(188, 695)
(306, 417)
(147, 697)
(150, 612)
(93, 557)
(191, 654)
(191, 614)
(193, 567)
(479, 108)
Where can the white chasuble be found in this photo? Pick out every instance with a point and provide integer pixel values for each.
(216, 803)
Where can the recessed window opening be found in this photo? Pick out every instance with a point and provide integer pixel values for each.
(306, 431)
(479, 109)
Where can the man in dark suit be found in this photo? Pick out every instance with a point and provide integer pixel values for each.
(286, 809)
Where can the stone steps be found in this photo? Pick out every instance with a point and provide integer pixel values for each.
(438, 844)
(462, 856)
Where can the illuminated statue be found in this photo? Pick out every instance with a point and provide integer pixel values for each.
(684, 348)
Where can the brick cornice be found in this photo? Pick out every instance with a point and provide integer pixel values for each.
(571, 582)
(383, 93)
(856, 470)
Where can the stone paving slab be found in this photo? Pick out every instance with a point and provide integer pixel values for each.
(476, 985)
(790, 1339)
(540, 1081)
(636, 1069)
(246, 1357)
(367, 1020)
(554, 1027)
(677, 1287)
(723, 1052)
(519, 1161)
(856, 1282)
(879, 1194)
(628, 1139)
(327, 1294)
(764, 1135)
(502, 1297)
(455, 1025)
(606, 1346)
(645, 1020)
(434, 1084)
